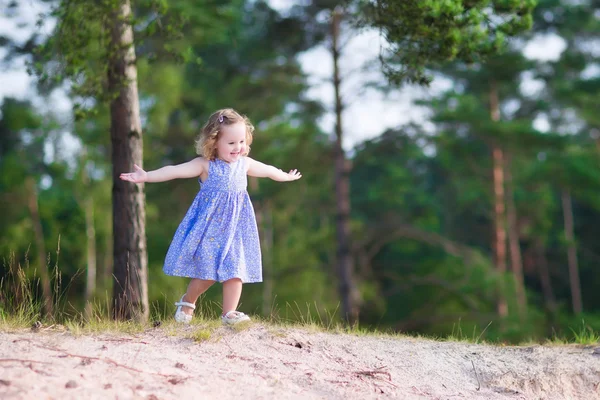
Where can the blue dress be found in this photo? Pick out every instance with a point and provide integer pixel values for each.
(218, 237)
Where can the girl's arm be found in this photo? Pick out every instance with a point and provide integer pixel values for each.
(260, 170)
(190, 169)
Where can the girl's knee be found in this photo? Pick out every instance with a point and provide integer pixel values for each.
(200, 284)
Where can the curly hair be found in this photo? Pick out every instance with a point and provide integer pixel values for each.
(206, 143)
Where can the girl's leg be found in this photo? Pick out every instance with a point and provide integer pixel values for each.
(194, 290)
(232, 291)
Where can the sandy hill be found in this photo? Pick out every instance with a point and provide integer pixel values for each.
(267, 362)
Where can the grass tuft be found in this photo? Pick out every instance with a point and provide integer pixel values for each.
(201, 335)
(586, 335)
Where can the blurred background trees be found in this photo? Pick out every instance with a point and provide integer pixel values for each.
(479, 215)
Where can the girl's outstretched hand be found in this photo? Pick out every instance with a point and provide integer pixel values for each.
(138, 176)
(294, 175)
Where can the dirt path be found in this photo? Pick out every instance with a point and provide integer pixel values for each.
(264, 362)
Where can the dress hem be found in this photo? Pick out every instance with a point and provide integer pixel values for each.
(216, 280)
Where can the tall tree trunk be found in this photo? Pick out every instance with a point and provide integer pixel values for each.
(130, 269)
(108, 258)
(32, 204)
(347, 287)
(499, 210)
(572, 252)
(544, 272)
(90, 231)
(513, 240)
(267, 251)
(264, 220)
(86, 202)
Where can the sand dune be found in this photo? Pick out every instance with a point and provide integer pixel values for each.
(265, 362)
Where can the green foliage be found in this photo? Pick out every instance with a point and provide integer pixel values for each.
(431, 32)
(80, 48)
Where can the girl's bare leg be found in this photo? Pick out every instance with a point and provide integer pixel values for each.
(232, 291)
(194, 290)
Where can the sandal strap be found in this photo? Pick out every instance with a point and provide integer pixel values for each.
(235, 314)
(186, 304)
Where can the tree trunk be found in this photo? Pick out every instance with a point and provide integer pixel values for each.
(499, 211)
(32, 204)
(513, 240)
(130, 268)
(108, 259)
(267, 251)
(546, 282)
(86, 202)
(264, 220)
(90, 231)
(572, 253)
(347, 287)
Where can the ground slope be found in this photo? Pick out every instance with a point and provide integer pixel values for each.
(267, 362)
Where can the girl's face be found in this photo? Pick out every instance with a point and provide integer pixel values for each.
(231, 144)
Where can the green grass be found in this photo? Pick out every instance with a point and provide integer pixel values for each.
(21, 309)
(586, 335)
(458, 335)
(201, 335)
(206, 326)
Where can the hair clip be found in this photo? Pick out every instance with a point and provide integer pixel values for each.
(220, 119)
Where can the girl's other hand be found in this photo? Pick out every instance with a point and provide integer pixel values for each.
(294, 175)
(138, 176)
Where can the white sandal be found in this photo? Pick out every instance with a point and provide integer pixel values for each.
(234, 317)
(180, 316)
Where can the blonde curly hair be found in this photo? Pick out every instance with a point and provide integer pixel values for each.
(206, 143)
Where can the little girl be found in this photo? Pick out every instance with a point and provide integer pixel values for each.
(218, 237)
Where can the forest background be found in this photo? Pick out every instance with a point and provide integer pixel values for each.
(477, 216)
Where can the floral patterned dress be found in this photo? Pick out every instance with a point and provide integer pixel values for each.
(218, 237)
